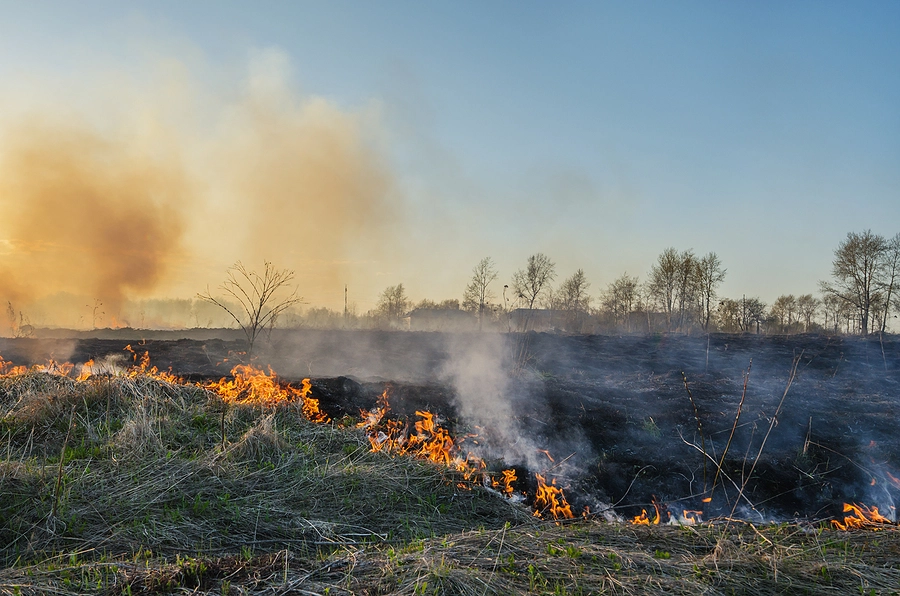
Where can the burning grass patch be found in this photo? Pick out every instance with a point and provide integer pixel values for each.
(135, 483)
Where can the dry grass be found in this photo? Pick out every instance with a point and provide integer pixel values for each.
(166, 489)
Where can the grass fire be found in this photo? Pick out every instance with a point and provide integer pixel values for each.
(196, 472)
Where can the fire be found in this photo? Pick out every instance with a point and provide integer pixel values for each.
(310, 404)
(550, 498)
(426, 439)
(252, 385)
(145, 369)
(644, 520)
(862, 517)
(507, 480)
(86, 371)
(430, 441)
(692, 517)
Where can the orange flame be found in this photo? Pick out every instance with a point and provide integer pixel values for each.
(550, 498)
(862, 517)
(509, 476)
(310, 406)
(86, 371)
(644, 520)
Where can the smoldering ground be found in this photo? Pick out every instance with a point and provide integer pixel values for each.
(800, 440)
(613, 411)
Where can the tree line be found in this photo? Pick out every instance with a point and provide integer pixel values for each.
(679, 294)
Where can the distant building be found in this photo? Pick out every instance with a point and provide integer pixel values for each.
(537, 319)
(440, 319)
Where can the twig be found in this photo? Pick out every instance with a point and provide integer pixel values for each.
(769, 431)
(699, 425)
(737, 415)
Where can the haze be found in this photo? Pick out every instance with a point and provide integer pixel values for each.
(147, 146)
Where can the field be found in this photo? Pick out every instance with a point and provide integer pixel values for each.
(738, 453)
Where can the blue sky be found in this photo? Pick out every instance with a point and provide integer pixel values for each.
(599, 133)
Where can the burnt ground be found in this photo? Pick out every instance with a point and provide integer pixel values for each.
(616, 414)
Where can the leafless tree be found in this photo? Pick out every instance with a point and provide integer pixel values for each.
(890, 277)
(782, 311)
(753, 312)
(258, 304)
(673, 281)
(573, 298)
(728, 315)
(807, 307)
(663, 282)
(619, 299)
(393, 303)
(531, 283)
(478, 294)
(710, 276)
(687, 287)
(857, 271)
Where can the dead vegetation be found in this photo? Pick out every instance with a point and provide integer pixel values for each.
(134, 484)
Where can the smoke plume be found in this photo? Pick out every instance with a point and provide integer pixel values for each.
(86, 212)
(125, 189)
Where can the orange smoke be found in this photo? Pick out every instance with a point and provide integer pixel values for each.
(86, 213)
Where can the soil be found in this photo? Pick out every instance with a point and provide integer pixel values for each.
(628, 421)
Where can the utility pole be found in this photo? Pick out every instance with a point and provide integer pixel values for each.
(345, 305)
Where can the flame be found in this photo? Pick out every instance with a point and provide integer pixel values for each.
(508, 477)
(430, 441)
(894, 480)
(145, 369)
(690, 517)
(862, 517)
(427, 439)
(310, 406)
(644, 520)
(86, 371)
(550, 498)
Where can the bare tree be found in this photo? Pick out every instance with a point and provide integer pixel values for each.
(663, 282)
(393, 303)
(857, 268)
(687, 286)
(531, 283)
(673, 282)
(258, 305)
(807, 307)
(710, 276)
(574, 299)
(478, 293)
(729, 317)
(890, 275)
(619, 299)
(782, 310)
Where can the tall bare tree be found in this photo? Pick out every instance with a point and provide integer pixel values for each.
(673, 281)
(890, 277)
(619, 299)
(663, 282)
(710, 276)
(807, 307)
(783, 310)
(575, 300)
(478, 294)
(857, 270)
(534, 280)
(256, 294)
(393, 303)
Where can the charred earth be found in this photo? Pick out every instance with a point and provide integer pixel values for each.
(762, 428)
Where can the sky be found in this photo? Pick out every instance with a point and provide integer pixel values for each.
(147, 146)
